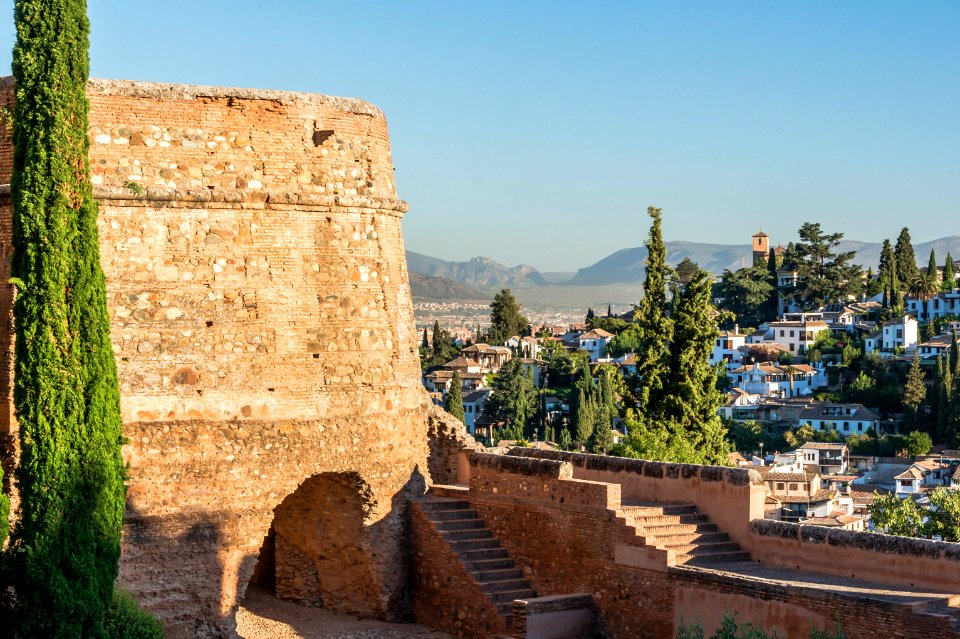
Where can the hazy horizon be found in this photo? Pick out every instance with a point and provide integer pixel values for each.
(539, 132)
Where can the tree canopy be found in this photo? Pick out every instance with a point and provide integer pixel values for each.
(825, 276)
(506, 318)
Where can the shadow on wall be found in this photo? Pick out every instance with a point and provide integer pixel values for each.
(327, 547)
(191, 559)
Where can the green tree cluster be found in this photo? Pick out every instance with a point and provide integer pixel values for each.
(438, 351)
(513, 402)
(949, 281)
(731, 628)
(506, 318)
(905, 517)
(747, 293)
(677, 396)
(824, 275)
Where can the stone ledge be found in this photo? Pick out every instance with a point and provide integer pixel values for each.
(546, 468)
(869, 541)
(118, 193)
(732, 476)
(172, 91)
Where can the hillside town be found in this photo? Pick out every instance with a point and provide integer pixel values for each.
(814, 399)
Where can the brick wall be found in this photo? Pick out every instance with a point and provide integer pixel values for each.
(568, 540)
(262, 325)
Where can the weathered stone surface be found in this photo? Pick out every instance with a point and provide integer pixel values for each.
(263, 330)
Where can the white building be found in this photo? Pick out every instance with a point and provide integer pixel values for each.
(473, 404)
(773, 380)
(942, 304)
(829, 458)
(938, 345)
(900, 332)
(846, 419)
(594, 342)
(726, 348)
(797, 337)
(925, 474)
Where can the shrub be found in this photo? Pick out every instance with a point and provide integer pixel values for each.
(127, 620)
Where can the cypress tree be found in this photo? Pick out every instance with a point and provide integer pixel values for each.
(425, 345)
(692, 397)
(932, 266)
(906, 259)
(436, 335)
(933, 400)
(949, 277)
(773, 302)
(653, 344)
(67, 540)
(914, 392)
(946, 397)
(954, 355)
(585, 416)
(453, 404)
(887, 261)
(609, 310)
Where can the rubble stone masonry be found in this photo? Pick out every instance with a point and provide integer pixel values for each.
(263, 330)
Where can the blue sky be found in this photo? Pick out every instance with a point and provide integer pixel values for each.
(539, 132)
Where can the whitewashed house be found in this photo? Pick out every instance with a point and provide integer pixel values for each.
(846, 419)
(829, 458)
(900, 332)
(594, 342)
(798, 336)
(942, 304)
(774, 380)
(727, 348)
(473, 403)
(923, 475)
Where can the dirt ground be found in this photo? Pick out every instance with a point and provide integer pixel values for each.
(263, 616)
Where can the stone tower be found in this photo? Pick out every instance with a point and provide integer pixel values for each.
(263, 329)
(761, 248)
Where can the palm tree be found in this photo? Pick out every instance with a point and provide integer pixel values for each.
(924, 288)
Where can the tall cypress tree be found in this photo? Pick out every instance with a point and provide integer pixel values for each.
(653, 345)
(773, 303)
(67, 540)
(453, 404)
(949, 277)
(887, 262)
(946, 398)
(906, 259)
(932, 267)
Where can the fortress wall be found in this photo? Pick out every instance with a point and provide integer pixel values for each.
(923, 563)
(731, 497)
(263, 329)
(567, 540)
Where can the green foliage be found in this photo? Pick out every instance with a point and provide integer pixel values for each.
(896, 516)
(654, 327)
(626, 341)
(506, 318)
(746, 293)
(514, 399)
(917, 443)
(943, 517)
(4, 512)
(731, 628)
(126, 620)
(441, 350)
(797, 437)
(66, 545)
(453, 403)
(824, 276)
(949, 281)
(906, 259)
(914, 392)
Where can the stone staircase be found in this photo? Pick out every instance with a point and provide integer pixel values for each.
(947, 608)
(680, 528)
(485, 561)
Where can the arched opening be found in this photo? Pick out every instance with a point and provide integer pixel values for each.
(318, 551)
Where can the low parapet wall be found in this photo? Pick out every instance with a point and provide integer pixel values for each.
(921, 563)
(731, 497)
(543, 480)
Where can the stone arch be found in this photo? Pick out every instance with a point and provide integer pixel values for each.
(321, 551)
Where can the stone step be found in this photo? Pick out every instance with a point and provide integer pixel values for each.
(659, 511)
(474, 544)
(481, 565)
(702, 549)
(663, 520)
(477, 556)
(503, 585)
(689, 538)
(506, 596)
(694, 560)
(505, 609)
(496, 573)
(464, 535)
(679, 529)
(452, 514)
(434, 504)
(459, 524)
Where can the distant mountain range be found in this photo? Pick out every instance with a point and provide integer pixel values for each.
(626, 266)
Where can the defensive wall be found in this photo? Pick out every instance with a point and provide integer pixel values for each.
(559, 515)
(264, 335)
